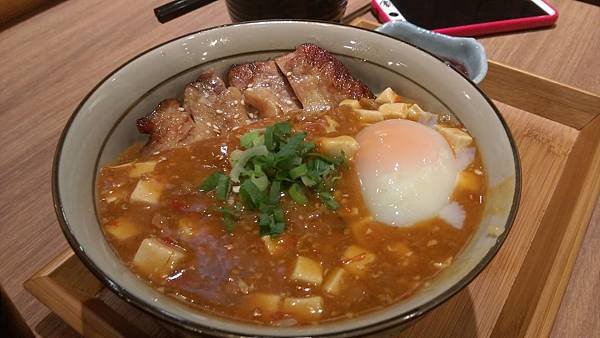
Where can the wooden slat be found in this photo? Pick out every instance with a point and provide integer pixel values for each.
(69, 290)
(539, 286)
(558, 102)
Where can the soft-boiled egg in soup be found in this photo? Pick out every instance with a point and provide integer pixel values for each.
(407, 171)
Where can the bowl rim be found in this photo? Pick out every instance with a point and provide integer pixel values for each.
(177, 321)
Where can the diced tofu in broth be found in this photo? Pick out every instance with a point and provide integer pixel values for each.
(356, 260)
(457, 138)
(265, 303)
(140, 168)
(334, 281)
(274, 246)
(336, 146)
(155, 258)
(394, 110)
(308, 309)
(122, 228)
(146, 191)
(307, 270)
(351, 103)
(369, 116)
(468, 181)
(388, 96)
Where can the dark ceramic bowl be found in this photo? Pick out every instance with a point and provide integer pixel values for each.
(104, 124)
(245, 10)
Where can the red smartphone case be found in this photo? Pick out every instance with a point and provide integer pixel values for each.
(479, 28)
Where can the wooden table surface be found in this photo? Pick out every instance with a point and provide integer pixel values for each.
(52, 59)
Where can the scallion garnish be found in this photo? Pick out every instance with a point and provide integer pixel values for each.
(272, 162)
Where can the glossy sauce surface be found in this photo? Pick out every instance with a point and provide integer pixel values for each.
(237, 276)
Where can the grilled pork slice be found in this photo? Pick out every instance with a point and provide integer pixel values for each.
(169, 126)
(211, 102)
(264, 88)
(319, 80)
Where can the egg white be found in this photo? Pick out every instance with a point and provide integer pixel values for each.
(407, 171)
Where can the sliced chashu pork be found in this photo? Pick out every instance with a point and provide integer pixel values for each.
(209, 109)
(264, 88)
(210, 101)
(319, 80)
(169, 126)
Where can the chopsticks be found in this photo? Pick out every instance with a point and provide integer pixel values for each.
(177, 8)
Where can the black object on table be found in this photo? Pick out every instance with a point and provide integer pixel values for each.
(178, 8)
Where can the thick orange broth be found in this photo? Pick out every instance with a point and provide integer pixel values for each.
(223, 272)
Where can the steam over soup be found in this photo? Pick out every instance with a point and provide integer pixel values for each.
(294, 196)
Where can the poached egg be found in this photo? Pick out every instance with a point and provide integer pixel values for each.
(407, 171)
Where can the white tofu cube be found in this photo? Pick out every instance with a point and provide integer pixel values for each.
(388, 95)
(146, 191)
(266, 303)
(122, 229)
(414, 112)
(457, 138)
(308, 271)
(274, 246)
(351, 103)
(309, 308)
(334, 281)
(356, 259)
(469, 181)
(155, 258)
(140, 168)
(336, 145)
(394, 110)
(369, 116)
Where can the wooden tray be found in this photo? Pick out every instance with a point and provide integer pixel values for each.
(557, 130)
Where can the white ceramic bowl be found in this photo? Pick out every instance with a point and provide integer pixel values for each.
(104, 124)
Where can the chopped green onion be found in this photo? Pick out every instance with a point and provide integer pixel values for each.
(223, 187)
(275, 192)
(272, 161)
(248, 140)
(309, 182)
(298, 171)
(278, 214)
(270, 138)
(328, 200)
(244, 158)
(297, 194)
(250, 195)
(277, 228)
(261, 182)
(210, 182)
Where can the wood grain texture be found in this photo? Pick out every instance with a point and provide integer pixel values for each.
(535, 296)
(70, 290)
(567, 53)
(553, 100)
(579, 314)
(13, 9)
(50, 61)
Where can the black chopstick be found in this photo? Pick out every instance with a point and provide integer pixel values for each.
(178, 8)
